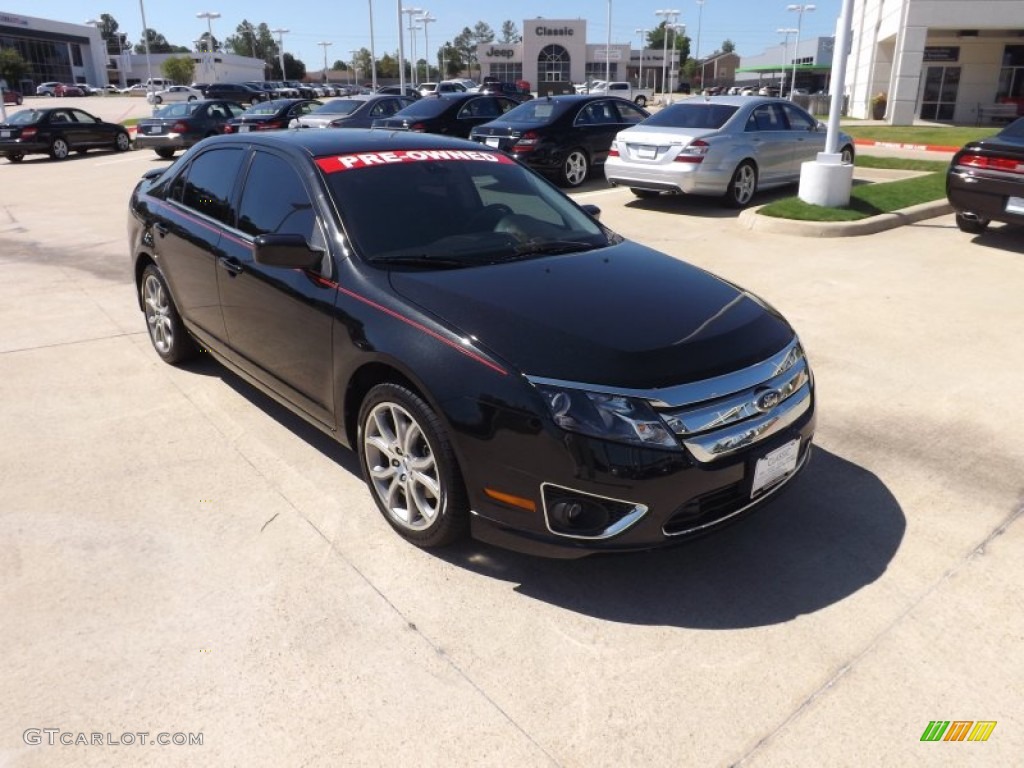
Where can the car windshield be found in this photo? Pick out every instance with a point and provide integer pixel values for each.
(535, 111)
(460, 208)
(24, 117)
(338, 107)
(692, 115)
(181, 109)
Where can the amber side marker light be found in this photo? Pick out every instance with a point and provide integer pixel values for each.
(514, 501)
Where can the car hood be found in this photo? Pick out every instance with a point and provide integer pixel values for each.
(621, 316)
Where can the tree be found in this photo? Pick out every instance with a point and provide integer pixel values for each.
(179, 69)
(254, 41)
(116, 41)
(510, 33)
(453, 62)
(681, 43)
(728, 46)
(482, 33)
(157, 43)
(207, 43)
(387, 67)
(294, 69)
(363, 63)
(12, 66)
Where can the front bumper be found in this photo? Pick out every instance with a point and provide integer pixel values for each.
(641, 498)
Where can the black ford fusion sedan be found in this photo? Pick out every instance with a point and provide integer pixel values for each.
(57, 132)
(985, 180)
(501, 362)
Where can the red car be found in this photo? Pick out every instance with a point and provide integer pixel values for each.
(12, 97)
(68, 89)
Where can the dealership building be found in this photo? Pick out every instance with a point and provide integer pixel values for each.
(76, 53)
(553, 51)
(944, 60)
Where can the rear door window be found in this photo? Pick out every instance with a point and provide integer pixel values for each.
(210, 183)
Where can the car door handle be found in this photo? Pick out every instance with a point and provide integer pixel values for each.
(232, 265)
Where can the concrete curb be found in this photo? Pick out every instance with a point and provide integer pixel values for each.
(752, 220)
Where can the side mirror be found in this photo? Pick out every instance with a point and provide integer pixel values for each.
(288, 251)
(592, 210)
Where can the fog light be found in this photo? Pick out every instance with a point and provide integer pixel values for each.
(585, 516)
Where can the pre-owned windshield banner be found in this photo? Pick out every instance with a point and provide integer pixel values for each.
(367, 159)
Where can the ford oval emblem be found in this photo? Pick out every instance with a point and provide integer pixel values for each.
(767, 400)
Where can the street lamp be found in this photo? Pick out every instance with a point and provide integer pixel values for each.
(643, 34)
(373, 53)
(401, 42)
(700, 20)
(145, 43)
(281, 32)
(670, 17)
(608, 49)
(210, 16)
(796, 48)
(325, 45)
(786, 32)
(426, 19)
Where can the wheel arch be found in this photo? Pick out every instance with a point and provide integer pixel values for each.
(365, 378)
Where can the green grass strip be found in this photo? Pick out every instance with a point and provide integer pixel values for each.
(900, 163)
(865, 200)
(920, 134)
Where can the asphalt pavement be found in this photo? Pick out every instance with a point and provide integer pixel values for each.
(182, 558)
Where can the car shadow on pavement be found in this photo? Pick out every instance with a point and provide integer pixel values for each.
(705, 206)
(1006, 238)
(826, 537)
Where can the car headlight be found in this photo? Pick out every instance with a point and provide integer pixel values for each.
(611, 417)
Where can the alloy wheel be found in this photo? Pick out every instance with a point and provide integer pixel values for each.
(158, 314)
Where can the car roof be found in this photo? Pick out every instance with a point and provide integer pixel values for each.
(323, 143)
(736, 101)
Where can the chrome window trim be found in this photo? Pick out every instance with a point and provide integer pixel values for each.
(696, 391)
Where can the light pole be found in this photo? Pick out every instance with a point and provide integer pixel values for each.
(785, 32)
(145, 44)
(373, 53)
(210, 16)
(281, 32)
(325, 45)
(355, 68)
(608, 49)
(643, 36)
(679, 29)
(670, 17)
(426, 19)
(796, 48)
(700, 20)
(401, 42)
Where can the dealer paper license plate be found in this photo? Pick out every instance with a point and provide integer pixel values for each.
(775, 466)
(1015, 205)
(493, 141)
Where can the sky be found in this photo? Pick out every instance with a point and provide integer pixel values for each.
(751, 24)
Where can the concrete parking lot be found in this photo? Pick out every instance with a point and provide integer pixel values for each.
(181, 557)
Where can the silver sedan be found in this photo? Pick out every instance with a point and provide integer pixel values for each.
(729, 146)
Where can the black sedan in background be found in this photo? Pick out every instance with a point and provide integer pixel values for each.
(57, 132)
(449, 114)
(354, 111)
(271, 116)
(500, 362)
(241, 93)
(561, 136)
(179, 126)
(985, 180)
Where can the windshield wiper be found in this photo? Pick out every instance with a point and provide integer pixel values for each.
(553, 247)
(421, 260)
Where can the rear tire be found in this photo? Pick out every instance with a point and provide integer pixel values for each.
(972, 225)
(59, 149)
(846, 154)
(157, 100)
(742, 185)
(16, 157)
(166, 331)
(574, 168)
(410, 467)
(165, 153)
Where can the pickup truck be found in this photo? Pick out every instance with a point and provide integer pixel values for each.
(639, 96)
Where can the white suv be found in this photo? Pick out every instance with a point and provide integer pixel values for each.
(47, 89)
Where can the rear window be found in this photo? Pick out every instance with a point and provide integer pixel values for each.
(426, 108)
(181, 109)
(25, 117)
(338, 107)
(536, 111)
(700, 115)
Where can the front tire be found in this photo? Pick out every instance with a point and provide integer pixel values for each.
(410, 467)
(574, 168)
(157, 100)
(972, 225)
(170, 339)
(122, 142)
(640, 101)
(742, 185)
(59, 149)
